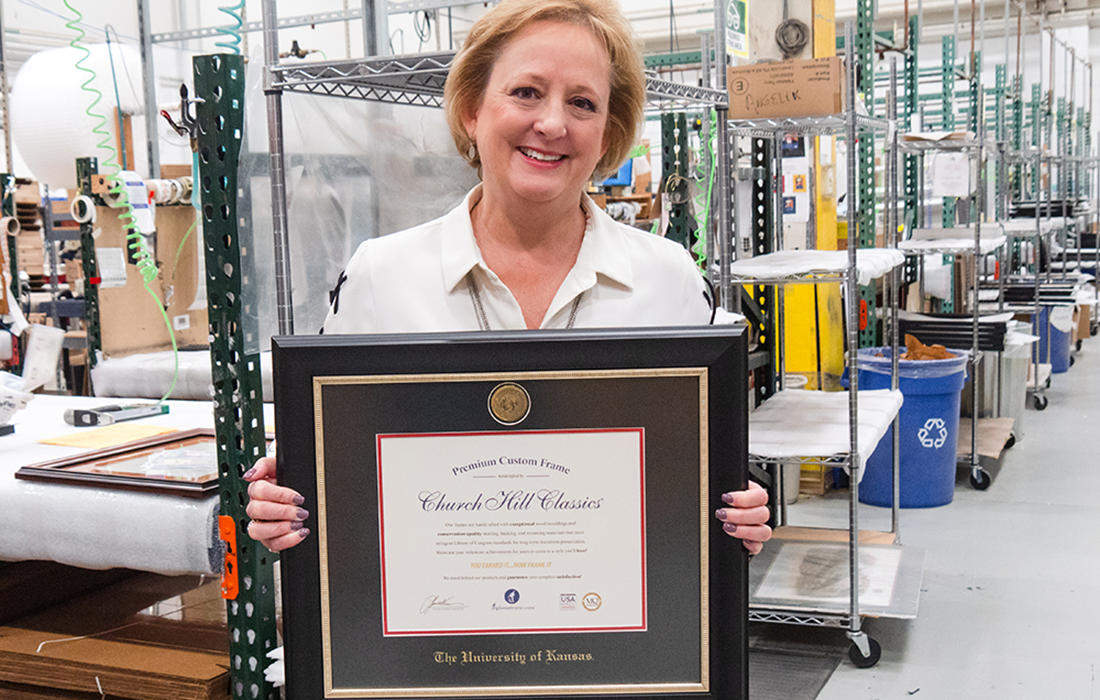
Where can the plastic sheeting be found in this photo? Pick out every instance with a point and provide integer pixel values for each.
(355, 170)
(1061, 317)
(790, 264)
(879, 361)
(956, 241)
(149, 375)
(799, 424)
(1025, 226)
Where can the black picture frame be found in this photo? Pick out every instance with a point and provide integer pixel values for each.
(687, 387)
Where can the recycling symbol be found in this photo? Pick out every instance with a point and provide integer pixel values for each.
(933, 434)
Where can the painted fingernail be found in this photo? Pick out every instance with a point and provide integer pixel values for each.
(297, 525)
(728, 498)
(302, 533)
(720, 513)
(248, 474)
(299, 500)
(729, 527)
(302, 514)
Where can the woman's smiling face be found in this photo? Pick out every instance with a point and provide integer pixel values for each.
(540, 126)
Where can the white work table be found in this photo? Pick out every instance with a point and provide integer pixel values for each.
(96, 527)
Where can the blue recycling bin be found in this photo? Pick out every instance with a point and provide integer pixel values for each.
(928, 426)
(1054, 344)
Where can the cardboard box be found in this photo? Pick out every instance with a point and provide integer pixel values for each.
(129, 319)
(795, 88)
(815, 479)
(147, 637)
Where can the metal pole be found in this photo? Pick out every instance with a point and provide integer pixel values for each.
(283, 302)
(1037, 248)
(777, 190)
(4, 96)
(892, 289)
(376, 28)
(149, 83)
(852, 289)
(975, 381)
(709, 160)
(728, 237)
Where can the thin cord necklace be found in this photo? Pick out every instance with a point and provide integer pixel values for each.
(479, 308)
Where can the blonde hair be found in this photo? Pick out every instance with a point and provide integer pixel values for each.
(469, 74)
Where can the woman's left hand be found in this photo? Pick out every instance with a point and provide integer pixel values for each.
(746, 516)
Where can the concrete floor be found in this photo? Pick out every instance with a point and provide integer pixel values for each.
(1010, 604)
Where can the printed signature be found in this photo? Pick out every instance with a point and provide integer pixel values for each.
(435, 602)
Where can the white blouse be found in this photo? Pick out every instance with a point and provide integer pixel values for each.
(416, 281)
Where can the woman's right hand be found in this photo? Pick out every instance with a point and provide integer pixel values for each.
(276, 513)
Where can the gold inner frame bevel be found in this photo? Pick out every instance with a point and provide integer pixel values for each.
(701, 373)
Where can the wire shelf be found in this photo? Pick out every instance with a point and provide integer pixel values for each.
(809, 126)
(418, 79)
(944, 145)
(794, 618)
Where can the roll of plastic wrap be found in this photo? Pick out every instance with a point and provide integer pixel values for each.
(10, 225)
(83, 209)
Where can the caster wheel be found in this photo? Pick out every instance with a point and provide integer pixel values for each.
(1094, 330)
(1072, 359)
(1080, 344)
(862, 661)
(1040, 402)
(981, 481)
(1010, 441)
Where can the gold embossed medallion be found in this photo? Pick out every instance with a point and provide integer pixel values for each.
(509, 403)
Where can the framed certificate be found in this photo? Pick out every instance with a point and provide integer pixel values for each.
(514, 514)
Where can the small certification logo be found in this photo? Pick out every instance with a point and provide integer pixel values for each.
(591, 602)
(511, 597)
(567, 601)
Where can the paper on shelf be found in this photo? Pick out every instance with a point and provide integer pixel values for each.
(43, 351)
(937, 136)
(951, 175)
(871, 263)
(799, 424)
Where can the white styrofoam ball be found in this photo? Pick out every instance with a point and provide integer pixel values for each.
(48, 117)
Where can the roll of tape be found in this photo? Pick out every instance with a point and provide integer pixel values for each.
(10, 225)
(185, 187)
(160, 190)
(174, 191)
(114, 198)
(83, 209)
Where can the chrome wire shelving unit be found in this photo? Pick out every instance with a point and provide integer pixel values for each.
(828, 428)
(976, 147)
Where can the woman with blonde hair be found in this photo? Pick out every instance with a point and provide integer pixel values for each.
(543, 96)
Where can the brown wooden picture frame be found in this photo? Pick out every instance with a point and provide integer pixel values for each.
(80, 469)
